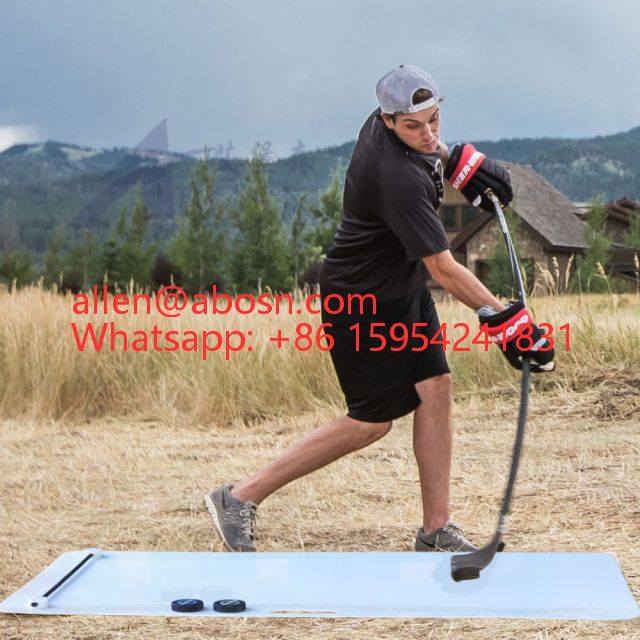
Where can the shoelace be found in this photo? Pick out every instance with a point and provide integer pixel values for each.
(242, 515)
(455, 531)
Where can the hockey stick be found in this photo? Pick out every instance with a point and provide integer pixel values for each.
(468, 566)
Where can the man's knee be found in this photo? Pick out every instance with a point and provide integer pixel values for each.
(439, 385)
(372, 431)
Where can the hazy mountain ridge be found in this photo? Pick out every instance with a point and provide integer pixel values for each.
(43, 184)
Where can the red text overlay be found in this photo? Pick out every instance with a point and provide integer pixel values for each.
(172, 302)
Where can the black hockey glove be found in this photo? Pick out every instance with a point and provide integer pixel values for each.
(514, 331)
(472, 173)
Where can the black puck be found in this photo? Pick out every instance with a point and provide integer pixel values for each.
(229, 606)
(465, 573)
(187, 605)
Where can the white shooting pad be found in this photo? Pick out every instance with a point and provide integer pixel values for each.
(576, 586)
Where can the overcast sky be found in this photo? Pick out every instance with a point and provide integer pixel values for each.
(104, 74)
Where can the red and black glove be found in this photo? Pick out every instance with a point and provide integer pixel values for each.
(472, 173)
(514, 331)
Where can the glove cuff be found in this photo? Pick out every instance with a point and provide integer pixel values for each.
(464, 161)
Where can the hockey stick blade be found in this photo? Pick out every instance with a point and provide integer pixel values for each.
(468, 565)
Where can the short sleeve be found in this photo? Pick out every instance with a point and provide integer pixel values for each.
(408, 210)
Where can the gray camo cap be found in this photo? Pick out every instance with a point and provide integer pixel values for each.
(395, 90)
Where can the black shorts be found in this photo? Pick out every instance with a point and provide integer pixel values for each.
(380, 385)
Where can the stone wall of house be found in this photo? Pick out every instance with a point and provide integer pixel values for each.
(481, 246)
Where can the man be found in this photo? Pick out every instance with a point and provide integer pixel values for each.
(389, 235)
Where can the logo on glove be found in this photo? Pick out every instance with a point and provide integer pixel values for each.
(498, 334)
(466, 170)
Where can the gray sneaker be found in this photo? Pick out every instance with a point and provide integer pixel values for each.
(234, 519)
(449, 538)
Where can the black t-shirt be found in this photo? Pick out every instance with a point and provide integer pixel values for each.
(389, 219)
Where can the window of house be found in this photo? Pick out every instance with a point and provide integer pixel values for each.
(448, 214)
(468, 214)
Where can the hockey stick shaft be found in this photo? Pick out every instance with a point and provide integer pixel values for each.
(513, 258)
(468, 566)
(524, 388)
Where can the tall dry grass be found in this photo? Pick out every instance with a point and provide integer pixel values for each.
(44, 375)
(121, 477)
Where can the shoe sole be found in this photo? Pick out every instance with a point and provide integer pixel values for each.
(213, 512)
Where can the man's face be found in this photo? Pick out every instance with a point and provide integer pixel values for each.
(420, 131)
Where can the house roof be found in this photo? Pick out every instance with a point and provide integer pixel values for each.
(550, 215)
(622, 209)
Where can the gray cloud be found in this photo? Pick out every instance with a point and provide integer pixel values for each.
(104, 74)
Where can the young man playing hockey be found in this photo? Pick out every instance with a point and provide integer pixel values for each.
(389, 235)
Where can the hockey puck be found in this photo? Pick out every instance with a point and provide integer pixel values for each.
(229, 606)
(465, 573)
(187, 605)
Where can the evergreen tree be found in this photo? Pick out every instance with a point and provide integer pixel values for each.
(199, 246)
(112, 260)
(124, 256)
(259, 252)
(588, 276)
(164, 272)
(82, 264)
(632, 235)
(53, 266)
(328, 214)
(298, 247)
(500, 278)
(16, 266)
(138, 260)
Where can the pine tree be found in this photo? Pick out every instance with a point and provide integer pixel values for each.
(138, 260)
(298, 246)
(199, 246)
(82, 264)
(112, 262)
(632, 235)
(124, 256)
(53, 267)
(588, 275)
(328, 214)
(500, 279)
(16, 266)
(259, 252)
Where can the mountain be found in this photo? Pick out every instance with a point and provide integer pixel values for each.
(579, 168)
(44, 184)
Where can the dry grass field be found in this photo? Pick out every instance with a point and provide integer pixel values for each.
(114, 450)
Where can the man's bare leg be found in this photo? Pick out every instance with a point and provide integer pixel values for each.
(432, 448)
(313, 451)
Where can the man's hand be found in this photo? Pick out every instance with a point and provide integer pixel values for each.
(514, 331)
(472, 173)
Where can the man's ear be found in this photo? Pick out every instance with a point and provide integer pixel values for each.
(388, 120)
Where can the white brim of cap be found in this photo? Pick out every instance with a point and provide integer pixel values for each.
(423, 105)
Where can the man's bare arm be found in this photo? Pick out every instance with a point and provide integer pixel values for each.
(459, 281)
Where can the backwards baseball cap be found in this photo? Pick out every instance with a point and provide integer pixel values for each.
(396, 89)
